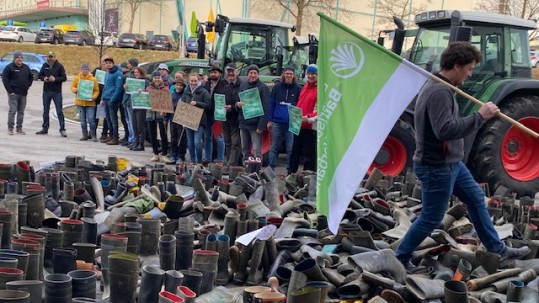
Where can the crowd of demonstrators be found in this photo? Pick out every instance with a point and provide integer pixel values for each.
(237, 138)
(17, 79)
(86, 108)
(305, 144)
(52, 74)
(251, 129)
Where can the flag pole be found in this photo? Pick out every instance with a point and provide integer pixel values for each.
(478, 102)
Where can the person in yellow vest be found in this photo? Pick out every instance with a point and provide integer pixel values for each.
(85, 101)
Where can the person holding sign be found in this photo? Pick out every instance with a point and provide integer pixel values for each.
(254, 101)
(138, 117)
(196, 95)
(155, 120)
(178, 138)
(305, 143)
(283, 94)
(86, 89)
(101, 71)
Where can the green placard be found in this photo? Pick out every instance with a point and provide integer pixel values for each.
(252, 105)
(100, 76)
(140, 100)
(85, 90)
(220, 112)
(134, 85)
(295, 118)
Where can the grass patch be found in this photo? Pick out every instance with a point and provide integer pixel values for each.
(72, 56)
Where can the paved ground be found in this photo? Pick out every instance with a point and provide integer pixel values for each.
(53, 147)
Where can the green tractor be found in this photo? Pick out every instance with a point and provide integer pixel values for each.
(499, 154)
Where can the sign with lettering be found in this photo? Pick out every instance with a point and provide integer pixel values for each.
(85, 90)
(161, 101)
(100, 76)
(252, 105)
(134, 85)
(220, 112)
(188, 115)
(140, 100)
(295, 119)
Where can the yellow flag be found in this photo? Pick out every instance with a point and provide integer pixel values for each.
(210, 36)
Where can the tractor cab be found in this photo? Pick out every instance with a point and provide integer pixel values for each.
(249, 41)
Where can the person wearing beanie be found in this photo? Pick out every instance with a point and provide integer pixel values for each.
(111, 98)
(284, 93)
(17, 79)
(251, 130)
(305, 143)
(86, 108)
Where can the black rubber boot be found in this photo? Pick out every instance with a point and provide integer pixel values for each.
(184, 249)
(173, 279)
(110, 243)
(151, 230)
(83, 283)
(223, 247)
(9, 274)
(150, 285)
(124, 273)
(455, 292)
(58, 288)
(33, 287)
(205, 261)
(72, 231)
(31, 247)
(167, 252)
(35, 210)
(64, 260)
(18, 296)
(192, 280)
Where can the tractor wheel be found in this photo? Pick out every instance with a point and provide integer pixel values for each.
(395, 155)
(505, 155)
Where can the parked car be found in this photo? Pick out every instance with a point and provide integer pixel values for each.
(191, 45)
(17, 33)
(160, 42)
(33, 60)
(131, 40)
(109, 39)
(50, 35)
(82, 37)
(534, 58)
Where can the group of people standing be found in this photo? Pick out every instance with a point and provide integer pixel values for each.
(237, 138)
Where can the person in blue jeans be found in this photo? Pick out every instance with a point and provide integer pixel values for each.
(111, 97)
(284, 94)
(196, 95)
(52, 74)
(439, 152)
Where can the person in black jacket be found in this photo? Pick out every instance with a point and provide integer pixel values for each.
(251, 130)
(52, 74)
(231, 130)
(198, 96)
(17, 78)
(215, 82)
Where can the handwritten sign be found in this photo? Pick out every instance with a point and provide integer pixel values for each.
(161, 101)
(134, 85)
(252, 105)
(220, 102)
(85, 90)
(188, 115)
(140, 100)
(295, 119)
(100, 76)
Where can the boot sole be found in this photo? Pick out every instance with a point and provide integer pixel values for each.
(392, 296)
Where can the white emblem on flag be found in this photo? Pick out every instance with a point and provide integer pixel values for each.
(346, 60)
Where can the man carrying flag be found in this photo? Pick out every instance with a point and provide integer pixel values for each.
(439, 153)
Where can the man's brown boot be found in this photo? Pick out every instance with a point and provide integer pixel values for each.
(105, 140)
(113, 141)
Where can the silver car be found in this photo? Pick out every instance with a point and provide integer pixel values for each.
(17, 33)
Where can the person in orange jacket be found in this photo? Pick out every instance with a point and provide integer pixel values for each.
(86, 107)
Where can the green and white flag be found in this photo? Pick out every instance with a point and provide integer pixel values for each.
(363, 88)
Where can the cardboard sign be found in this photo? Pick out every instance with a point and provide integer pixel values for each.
(188, 115)
(134, 85)
(252, 104)
(140, 100)
(220, 112)
(100, 76)
(295, 118)
(161, 101)
(85, 90)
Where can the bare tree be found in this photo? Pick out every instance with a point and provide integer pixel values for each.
(303, 10)
(405, 10)
(525, 9)
(133, 6)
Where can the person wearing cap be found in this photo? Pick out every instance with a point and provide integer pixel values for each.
(111, 97)
(305, 143)
(251, 130)
(230, 127)
(284, 94)
(197, 96)
(126, 111)
(105, 127)
(164, 71)
(17, 79)
(52, 74)
(214, 83)
(157, 120)
(178, 138)
(86, 108)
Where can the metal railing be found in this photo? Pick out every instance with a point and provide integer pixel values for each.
(17, 8)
